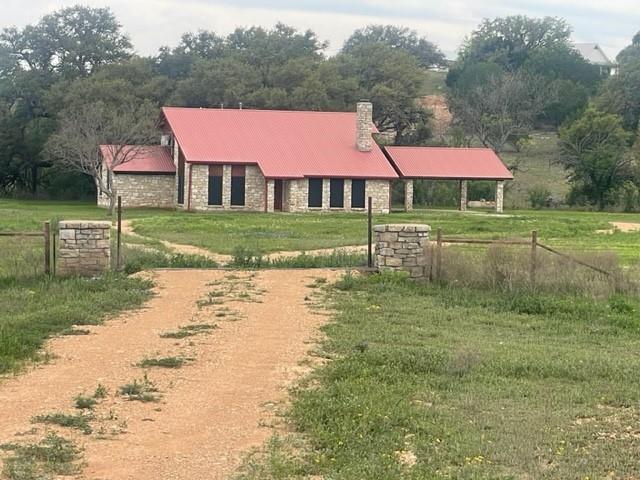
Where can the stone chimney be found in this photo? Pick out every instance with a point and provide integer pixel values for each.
(364, 140)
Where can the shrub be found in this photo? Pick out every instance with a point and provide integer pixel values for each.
(539, 197)
(137, 260)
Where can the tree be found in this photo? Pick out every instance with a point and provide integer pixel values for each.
(392, 80)
(631, 53)
(501, 110)
(595, 152)
(71, 41)
(510, 41)
(82, 129)
(621, 93)
(400, 38)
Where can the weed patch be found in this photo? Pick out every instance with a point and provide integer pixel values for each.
(189, 331)
(78, 421)
(140, 390)
(53, 455)
(165, 362)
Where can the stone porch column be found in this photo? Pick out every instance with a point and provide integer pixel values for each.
(226, 186)
(408, 195)
(271, 193)
(500, 196)
(463, 195)
(326, 194)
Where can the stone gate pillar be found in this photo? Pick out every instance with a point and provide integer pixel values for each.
(84, 248)
(402, 248)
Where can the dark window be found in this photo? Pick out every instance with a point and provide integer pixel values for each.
(336, 193)
(315, 192)
(180, 179)
(237, 185)
(215, 185)
(357, 193)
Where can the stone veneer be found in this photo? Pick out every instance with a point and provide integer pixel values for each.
(143, 190)
(500, 196)
(296, 196)
(254, 189)
(402, 248)
(84, 247)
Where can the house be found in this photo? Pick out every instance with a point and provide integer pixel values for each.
(596, 56)
(270, 161)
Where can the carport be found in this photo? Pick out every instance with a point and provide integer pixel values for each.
(445, 163)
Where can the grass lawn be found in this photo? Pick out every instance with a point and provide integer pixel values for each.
(431, 382)
(224, 232)
(37, 308)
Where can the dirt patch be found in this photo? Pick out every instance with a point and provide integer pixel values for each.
(624, 227)
(127, 229)
(212, 410)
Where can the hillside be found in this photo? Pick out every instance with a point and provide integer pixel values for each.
(537, 166)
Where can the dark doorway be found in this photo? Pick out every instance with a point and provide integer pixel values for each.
(277, 195)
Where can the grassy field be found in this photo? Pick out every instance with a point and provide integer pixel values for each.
(434, 83)
(37, 308)
(537, 167)
(224, 232)
(434, 382)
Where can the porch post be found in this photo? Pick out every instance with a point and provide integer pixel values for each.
(270, 196)
(463, 195)
(500, 196)
(408, 195)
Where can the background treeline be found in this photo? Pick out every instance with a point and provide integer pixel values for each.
(80, 55)
(514, 76)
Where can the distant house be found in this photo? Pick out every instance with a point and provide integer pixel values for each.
(288, 161)
(596, 56)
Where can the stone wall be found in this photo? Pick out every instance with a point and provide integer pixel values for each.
(402, 248)
(84, 248)
(141, 190)
(297, 196)
(254, 189)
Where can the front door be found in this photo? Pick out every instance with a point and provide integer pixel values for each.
(277, 195)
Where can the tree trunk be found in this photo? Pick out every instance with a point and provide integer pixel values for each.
(112, 201)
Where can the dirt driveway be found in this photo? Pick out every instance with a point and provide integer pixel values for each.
(258, 327)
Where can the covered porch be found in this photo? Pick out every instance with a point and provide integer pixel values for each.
(460, 164)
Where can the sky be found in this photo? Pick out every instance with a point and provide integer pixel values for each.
(153, 23)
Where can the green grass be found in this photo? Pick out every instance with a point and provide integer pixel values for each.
(266, 233)
(537, 166)
(36, 309)
(189, 331)
(52, 456)
(472, 384)
(78, 421)
(164, 362)
(140, 390)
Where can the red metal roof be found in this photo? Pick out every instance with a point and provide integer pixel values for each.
(284, 144)
(449, 163)
(151, 159)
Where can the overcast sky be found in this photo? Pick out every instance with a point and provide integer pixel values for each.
(152, 23)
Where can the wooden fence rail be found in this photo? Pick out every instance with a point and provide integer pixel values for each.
(44, 234)
(534, 244)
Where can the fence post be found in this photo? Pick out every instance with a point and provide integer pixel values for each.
(118, 234)
(534, 257)
(47, 248)
(369, 233)
(439, 254)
